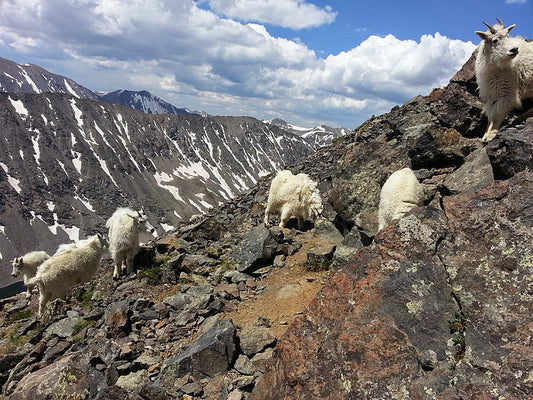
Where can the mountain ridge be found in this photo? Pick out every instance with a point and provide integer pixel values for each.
(68, 162)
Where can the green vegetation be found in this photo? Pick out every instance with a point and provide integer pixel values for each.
(457, 324)
(457, 327)
(19, 315)
(186, 281)
(319, 265)
(77, 328)
(225, 263)
(152, 275)
(85, 297)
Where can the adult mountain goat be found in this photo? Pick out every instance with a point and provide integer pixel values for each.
(400, 193)
(27, 266)
(65, 269)
(124, 227)
(294, 196)
(504, 74)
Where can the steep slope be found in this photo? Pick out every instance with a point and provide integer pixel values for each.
(144, 101)
(29, 78)
(67, 163)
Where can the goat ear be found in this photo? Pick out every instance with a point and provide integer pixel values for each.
(510, 28)
(483, 35)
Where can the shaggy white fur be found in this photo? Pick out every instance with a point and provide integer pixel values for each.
(294, 196)
(63, 270)
(400, 193)
(504, 73)
(124, 226)
(27, 266)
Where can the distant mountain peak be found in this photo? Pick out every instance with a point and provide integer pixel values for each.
(319, 136)
(143, 100)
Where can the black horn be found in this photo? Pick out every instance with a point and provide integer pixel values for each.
(491, 28)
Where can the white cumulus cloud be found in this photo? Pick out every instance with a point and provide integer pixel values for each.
(192, 57)
(294, 14)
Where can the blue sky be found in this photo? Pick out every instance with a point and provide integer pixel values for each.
(308, 62)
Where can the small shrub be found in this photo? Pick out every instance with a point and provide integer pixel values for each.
(457, 327)
(319, 265)
(19, 315)
(186, 281)
(152, 275)
(457, 324)
(78, 326)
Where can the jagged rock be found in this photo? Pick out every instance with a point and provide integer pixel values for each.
(475, 173)
(244, 365)
(260, 361)
(343, 255)
(63, 328)
(325, 230)
(254, 339)
(132, 382)
(435, 305)
(321, 256)
(235, 276)
(196, 298)
(256, 249)
(381, 328)
(117, 318)
(235, 395)
(211, 354)
(113, 393)
(152, 392)
(62, 379)
(353, 240)
(510, 153)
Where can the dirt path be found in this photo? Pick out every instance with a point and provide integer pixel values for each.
(287, 292)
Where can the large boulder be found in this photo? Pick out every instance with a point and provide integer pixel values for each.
(213, 353)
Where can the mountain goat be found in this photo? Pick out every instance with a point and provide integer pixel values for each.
(63, 270)
(400, 193)
(504, 74)
(27, 266)
(124, 226)
(295, 196)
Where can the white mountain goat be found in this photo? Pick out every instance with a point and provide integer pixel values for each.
(294, 196)
(124, 227)
(504, 74)
(63, 270)
(27, 266)
(400, 193)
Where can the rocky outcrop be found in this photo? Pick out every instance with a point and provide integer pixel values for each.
(437, 305)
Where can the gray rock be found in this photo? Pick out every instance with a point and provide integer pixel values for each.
(133, 381)
(213, 353)
(117, 318)
(353, 239)
(254, 339)
(475, 173)
(195, 299)
(261, 360)
(244, 365)
(62, 328)
(62, 380)
(325, 230)
(256, 249)
(320, 256)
